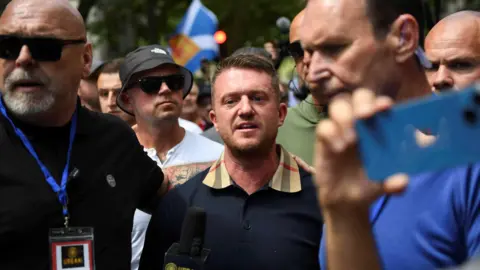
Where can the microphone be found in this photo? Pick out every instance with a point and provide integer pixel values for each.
(189, 253)
(283, 24)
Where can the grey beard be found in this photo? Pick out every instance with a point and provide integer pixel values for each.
(25, 104)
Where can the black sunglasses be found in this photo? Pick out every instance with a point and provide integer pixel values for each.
(295, 49)
(41, 48)
(152, 84)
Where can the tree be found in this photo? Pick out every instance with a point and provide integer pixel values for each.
(252, 22)
(446, 7)
(126, 24)
(122, 25)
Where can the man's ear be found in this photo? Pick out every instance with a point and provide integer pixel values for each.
(282, 114)
(404, 37)
(87, 60)
(213, 118)
(127, 101)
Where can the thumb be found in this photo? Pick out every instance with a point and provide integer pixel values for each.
(395, 184)
(304, 165)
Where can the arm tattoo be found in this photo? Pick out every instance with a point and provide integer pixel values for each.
(178, 175)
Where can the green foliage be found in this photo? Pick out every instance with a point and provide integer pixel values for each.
(252, 21)
(126, 24)
(473, 5)
(130, 23)
(446, 7)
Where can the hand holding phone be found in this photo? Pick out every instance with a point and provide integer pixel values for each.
(397, 141)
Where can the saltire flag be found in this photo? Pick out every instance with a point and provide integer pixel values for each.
(193, 39)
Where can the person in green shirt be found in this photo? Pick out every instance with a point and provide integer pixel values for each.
(297, 135)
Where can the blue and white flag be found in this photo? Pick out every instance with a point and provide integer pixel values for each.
(193, 39)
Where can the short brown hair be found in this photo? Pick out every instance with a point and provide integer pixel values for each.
(252, 62)
(112, 66)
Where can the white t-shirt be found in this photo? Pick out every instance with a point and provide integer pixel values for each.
(192, 155)
(190, 126)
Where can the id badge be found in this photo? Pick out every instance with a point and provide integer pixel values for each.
(72, 248)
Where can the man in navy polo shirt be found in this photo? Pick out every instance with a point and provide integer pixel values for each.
(434, 223)
(261, 207)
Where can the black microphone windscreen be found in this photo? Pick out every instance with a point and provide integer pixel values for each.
(193, 229)
(283, 24)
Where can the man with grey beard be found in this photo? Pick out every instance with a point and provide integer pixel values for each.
(26, 101)
(64, 170)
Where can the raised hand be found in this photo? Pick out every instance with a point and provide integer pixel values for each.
(340, 178)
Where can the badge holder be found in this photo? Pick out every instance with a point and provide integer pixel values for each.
(72, 248)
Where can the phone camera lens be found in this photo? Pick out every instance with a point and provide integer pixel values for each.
(476, 98)
(470, 116)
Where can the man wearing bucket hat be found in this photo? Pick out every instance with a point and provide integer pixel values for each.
(153, 88)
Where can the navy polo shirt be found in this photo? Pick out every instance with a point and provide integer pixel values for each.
(277, 227)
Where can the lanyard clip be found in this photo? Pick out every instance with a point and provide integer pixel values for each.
(65, 216)
(64, 201)
(66, 222)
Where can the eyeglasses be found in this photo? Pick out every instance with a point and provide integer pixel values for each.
(41, 48)
(152, 84)
(295, 49)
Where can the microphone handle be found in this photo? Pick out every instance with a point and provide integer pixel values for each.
(196, 247)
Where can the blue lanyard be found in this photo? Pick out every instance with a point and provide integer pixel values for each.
(376, 208)
(61, 190)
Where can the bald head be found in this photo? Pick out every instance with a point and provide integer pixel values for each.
(294, 27)
(45, 44)
(56, 18)
(453, 46)
(295, 48)
(456, 27)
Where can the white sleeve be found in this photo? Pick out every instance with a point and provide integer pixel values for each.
(140, 225)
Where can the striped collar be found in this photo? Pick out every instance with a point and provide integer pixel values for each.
(286, 178)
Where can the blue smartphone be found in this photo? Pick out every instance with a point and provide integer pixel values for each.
(390, 141)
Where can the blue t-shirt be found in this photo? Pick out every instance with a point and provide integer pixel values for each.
(434, 224)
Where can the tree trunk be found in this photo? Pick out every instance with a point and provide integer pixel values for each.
(152, 20)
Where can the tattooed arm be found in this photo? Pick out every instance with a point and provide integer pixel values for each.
(177, 175)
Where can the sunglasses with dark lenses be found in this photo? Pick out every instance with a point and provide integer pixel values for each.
(152, 84)
(295, 49)
(41, 48)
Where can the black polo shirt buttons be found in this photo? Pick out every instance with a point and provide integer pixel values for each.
(246, 225)
(111, 181)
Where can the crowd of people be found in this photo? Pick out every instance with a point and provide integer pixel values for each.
(100, 162)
